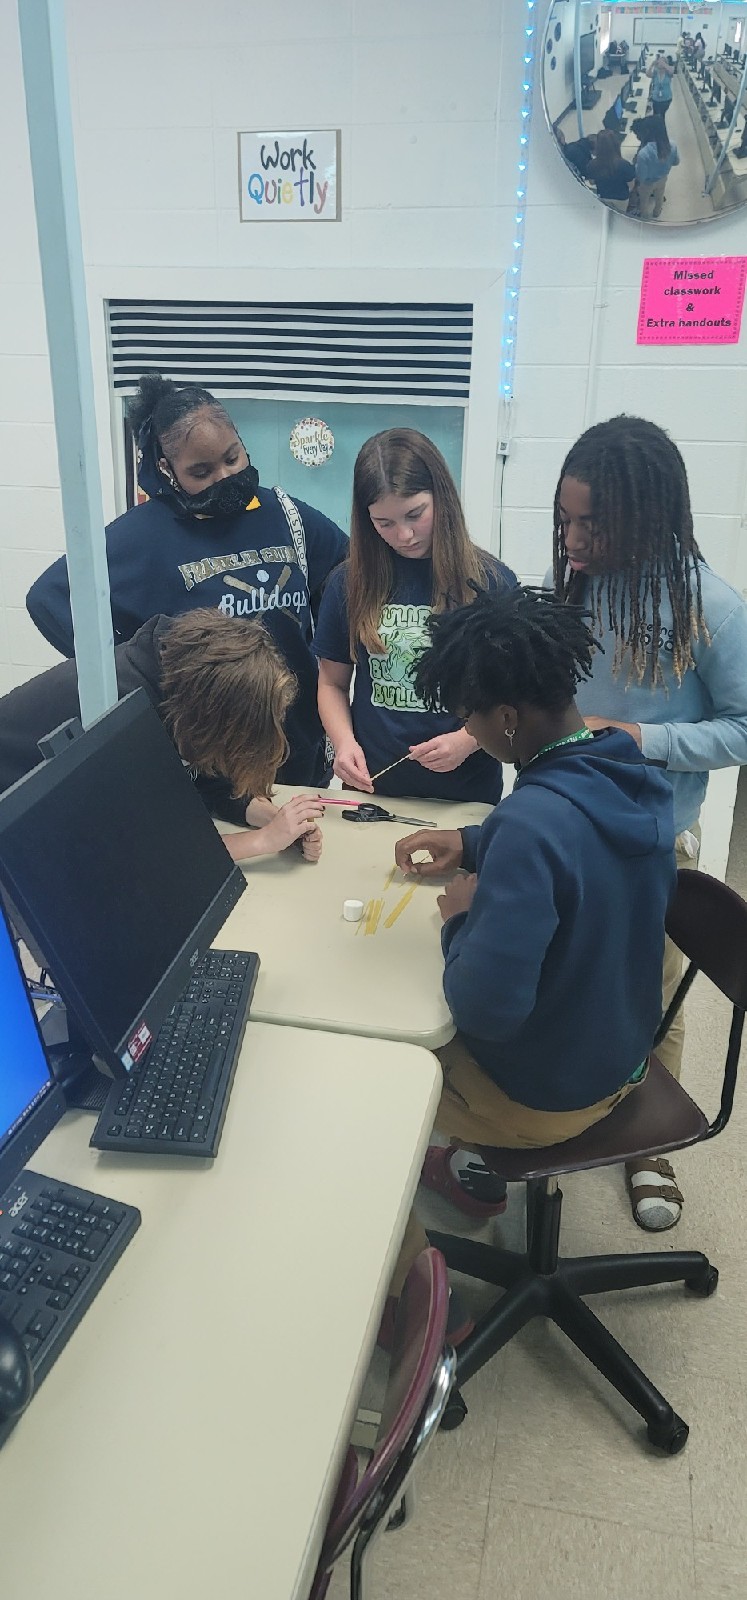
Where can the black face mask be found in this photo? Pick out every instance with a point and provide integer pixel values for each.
(222, 499)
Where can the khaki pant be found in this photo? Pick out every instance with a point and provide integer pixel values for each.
(652, 197)
(473, 1111)
(670, 1049)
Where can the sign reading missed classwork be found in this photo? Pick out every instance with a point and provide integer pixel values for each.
(290, 177)
(691, 300)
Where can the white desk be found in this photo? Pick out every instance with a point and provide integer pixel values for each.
(319, 971)
(188, 1440)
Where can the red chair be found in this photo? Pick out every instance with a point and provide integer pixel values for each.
(708, 922)
(421, 1374)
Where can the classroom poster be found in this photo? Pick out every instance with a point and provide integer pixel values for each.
(290, 177)
(691, 300)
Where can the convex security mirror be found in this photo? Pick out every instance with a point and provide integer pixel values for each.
(649, 112)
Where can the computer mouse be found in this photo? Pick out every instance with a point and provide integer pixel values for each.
(16, 1376)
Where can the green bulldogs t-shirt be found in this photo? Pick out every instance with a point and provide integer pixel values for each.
(388, 717)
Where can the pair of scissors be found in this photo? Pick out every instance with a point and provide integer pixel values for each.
(372, 813)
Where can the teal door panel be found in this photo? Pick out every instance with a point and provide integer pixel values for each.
(265, 426)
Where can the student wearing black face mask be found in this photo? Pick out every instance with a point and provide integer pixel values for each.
(208, 534)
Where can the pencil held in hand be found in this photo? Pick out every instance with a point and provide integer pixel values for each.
(375, 775)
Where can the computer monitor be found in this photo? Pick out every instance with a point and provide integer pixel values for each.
(30, 1101)
(586, 54)
(613, 118)
(727, 49)
(717, 91)
(110, 858)
(728, 111)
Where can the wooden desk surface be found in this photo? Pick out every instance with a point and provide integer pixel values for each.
(188, 1440)
(319, 971)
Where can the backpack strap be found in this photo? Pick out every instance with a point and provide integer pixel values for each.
(295, 524)
(297, 533)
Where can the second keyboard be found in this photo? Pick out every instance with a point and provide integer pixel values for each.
(174, 1101)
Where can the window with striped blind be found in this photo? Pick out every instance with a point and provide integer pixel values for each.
(349, 349)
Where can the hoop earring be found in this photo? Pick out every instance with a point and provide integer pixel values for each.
(168, 474)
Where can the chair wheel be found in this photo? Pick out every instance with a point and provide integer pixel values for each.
(706, 1284)
(671, 1437)
(455, 1412)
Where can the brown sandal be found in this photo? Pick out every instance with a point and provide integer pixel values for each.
(655, 1198)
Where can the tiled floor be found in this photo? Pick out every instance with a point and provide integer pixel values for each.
(548, 1491)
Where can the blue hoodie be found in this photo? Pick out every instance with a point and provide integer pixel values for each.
(553, 976)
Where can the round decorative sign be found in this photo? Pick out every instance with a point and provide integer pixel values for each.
(311, 442)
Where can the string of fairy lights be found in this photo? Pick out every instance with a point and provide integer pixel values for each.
(513, 285)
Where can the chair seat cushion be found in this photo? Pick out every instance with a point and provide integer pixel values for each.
(656, 1116)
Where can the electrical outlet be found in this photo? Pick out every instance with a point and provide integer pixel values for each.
(504, 428)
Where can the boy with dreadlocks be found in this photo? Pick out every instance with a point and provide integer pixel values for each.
(556, 1002)
(671, 664)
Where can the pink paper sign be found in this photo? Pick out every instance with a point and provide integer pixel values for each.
(691, 300)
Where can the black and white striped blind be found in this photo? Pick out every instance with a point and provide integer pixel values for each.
(376, 351)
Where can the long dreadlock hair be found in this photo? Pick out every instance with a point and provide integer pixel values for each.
(522, 647)
(640, 503)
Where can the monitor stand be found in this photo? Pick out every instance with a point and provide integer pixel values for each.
(72, 1066)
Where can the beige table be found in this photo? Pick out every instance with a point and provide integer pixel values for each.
(187, 1441)
(319, 971)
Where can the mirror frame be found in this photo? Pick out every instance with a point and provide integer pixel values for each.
(548, 48)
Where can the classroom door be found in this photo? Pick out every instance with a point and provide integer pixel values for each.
(265, 426)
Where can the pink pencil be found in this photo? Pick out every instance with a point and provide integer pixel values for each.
(326, 802)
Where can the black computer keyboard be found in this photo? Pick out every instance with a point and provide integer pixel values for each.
(57, 1245)
(174, 1100)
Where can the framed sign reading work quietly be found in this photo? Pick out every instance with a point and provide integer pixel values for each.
(290, 177)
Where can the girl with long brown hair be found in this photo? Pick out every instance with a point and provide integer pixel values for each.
(410, 556)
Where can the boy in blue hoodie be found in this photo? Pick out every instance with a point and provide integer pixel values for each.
(554, 932)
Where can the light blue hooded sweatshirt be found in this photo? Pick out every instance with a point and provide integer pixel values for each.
(689, 728)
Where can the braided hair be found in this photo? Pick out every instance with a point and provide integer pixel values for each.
(640, 503)
(167, 407)
(522, 647)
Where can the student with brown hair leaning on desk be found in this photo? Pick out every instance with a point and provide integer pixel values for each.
(238, 698)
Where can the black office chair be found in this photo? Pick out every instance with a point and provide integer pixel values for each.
(708, 922)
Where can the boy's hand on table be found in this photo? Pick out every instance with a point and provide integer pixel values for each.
(259, 811)
(458, 896)
(295, 822)
(444, 847)
(311, 844)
